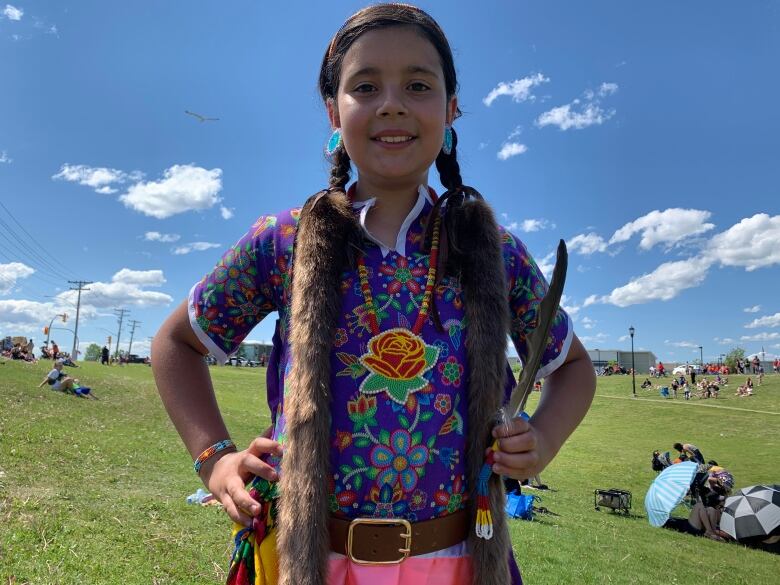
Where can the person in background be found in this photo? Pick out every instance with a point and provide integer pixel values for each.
(689, 452)
(57, 379)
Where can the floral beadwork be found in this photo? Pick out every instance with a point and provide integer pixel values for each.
(450, 371)
(398, 418)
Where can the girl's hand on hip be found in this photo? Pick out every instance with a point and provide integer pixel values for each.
(522, 453)
(226, 477)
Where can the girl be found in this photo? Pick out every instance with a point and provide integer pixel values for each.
(390, 357)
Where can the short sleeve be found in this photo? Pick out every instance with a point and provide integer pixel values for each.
(227, 303)
(527, 287)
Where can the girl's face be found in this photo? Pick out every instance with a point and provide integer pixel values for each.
(392, 106)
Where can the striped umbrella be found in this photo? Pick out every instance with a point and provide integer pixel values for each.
(668, 490)
(753, 511)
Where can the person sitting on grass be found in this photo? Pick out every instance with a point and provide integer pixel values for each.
(705, 521)
(647, 383)
(744, 391)
(713, 389)
(57, 379)
(60, 381)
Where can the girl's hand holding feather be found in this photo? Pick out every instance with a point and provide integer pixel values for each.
(522, 450)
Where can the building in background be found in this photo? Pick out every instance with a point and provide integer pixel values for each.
(255, 350)
(642, 359)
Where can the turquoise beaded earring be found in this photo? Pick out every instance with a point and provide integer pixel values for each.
(333, 144)
(446, 147)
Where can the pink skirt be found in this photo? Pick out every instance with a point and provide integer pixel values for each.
(447, 567)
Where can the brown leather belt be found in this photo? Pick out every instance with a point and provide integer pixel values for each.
(385, 541)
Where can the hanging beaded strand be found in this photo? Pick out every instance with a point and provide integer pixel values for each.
(422, 316)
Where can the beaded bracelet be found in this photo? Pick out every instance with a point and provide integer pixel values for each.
(211, 451)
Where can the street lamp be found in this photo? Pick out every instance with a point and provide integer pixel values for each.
(701, 357)
(633, 365)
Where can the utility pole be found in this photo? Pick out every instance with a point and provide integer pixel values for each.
(120, 313)
(80, 283)
(132, 333)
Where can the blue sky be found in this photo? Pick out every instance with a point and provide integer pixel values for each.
(645, 135)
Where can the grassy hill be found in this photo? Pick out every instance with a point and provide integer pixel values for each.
(94, 491)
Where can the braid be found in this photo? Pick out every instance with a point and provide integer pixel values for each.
(448, 167)
(339, 173)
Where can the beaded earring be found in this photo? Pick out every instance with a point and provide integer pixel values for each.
(446, 147)
(333, 144)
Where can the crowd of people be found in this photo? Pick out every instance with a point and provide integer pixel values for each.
(688, 387)
(706, 499)
(709, 489)
(18, 350)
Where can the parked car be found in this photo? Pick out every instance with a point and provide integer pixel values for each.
(135, 359)
(684, 369)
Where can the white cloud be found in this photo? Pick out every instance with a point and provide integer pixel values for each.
(99, 178)
(519, 89)
(226, 212)
(663, 284)
(598, 338)
(588, 323)
(723, 341)
(10, 273)
(534, 225)
(194, 247)
(12, 12)
(27, 316)
(578, 114)
(510, 149)
(565, 118)
(752, 243)
(624, 338)
(547, 264)
(688, 344)
(763, 336)
(158, 237)
(587, 244)
(753, 309)
(4, 158)
(767, 321)
(182, 188)
(105, 295)
(140, 277)
(571, 308)
(668, 227)
(606, 89)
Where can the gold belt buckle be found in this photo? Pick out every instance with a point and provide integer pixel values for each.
(407, 536)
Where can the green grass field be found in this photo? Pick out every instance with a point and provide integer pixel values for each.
(94, 491)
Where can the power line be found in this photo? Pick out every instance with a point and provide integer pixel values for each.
(46, 252)
(12, 255)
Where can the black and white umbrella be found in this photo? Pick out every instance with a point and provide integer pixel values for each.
(753, 512)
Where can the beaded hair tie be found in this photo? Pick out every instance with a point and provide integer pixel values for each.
(211, 451)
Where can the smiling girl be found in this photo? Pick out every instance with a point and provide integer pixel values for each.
(390, 357)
